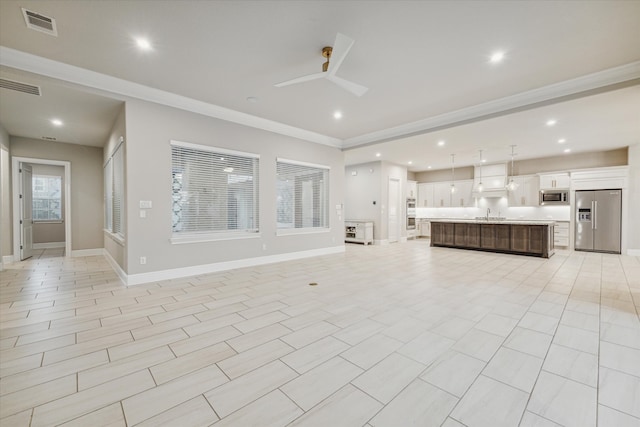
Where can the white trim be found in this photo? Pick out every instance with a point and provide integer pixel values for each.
(7, 259)
(212, 149)
(299, 163)
(308, 230)
(15, 177)
(175, 273)
(69, 73)
(119, 239)
(212, 237)
(87, 252)
(116, 267)
(502, 106)
(633, 252)
(49, 245)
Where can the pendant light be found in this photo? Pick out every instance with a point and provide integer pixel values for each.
(480, 186)
(453, 174)
(512, 185)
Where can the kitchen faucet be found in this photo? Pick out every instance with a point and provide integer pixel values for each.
(488, 212)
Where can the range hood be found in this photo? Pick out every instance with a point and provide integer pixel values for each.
(494, 181)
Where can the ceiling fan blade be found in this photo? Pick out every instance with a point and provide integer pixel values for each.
(352, 87)
(302, 79)
(341, 47)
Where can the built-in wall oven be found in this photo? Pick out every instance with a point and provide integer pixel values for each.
(411, 214)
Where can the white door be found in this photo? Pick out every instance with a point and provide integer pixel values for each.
(394, 210)
(26, 211)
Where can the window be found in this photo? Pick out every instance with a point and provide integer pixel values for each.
(47, 198)
(114, 191)
(213, 190)
(302, 195)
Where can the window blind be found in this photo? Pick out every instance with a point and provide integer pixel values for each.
(47, 198)
(118, 189)
(108, 195)
(302, 195)
(213, 190)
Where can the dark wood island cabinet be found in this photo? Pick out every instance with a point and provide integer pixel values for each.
(516, 237)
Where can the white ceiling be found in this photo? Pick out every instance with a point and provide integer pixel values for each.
(420, 59)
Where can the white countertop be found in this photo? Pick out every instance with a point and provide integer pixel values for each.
(495, 221)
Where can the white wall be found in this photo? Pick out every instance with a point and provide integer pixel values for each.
(363, 195)
(633, 238)
(149, 130)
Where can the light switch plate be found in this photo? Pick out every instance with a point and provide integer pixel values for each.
(145, 204)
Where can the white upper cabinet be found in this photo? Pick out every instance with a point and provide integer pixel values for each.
(463, 197)
(442, 194)
(425, 195)
(527, 192)
(555, 180)
(412, 190)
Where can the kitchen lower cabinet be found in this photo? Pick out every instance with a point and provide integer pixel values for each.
(495, 236)
(442, 234)
(561, 234)
(515, 238)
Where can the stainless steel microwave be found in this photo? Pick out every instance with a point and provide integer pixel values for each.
(554, 197)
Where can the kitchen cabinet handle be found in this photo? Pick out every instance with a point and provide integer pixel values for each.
(595, 215)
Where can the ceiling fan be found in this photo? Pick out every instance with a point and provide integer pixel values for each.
(335, 56)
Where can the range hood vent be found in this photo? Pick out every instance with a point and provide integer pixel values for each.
(39, 22)
(494, 181)
(20, 87)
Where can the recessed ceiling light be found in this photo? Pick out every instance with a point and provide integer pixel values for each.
(410, 162)
(562, 141)
(484, 160)
(440, 143)
(378, 154)
(567, 150)
(551, 122)
(428, 167)
(337, 115)
(143, 44)
(252, 99)
(56, 122)
(496, 57)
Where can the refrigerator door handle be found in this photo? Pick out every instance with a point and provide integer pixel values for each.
(595, 215)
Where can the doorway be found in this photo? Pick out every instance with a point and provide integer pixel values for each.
(23, 207)
(394, 210)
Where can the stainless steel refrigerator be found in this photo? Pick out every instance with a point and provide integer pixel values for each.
(598, 220)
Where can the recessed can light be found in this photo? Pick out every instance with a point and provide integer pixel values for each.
(378, 154)
(56, 122)
(562, 141)
(428, 167)
(440, 143)
(337, 115)
(567, 150)
(410, 162)
(496, 57)
(143, 44)
(551, 122)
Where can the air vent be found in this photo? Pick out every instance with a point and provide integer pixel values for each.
(20, 87)
(39, 22)
(49, 138)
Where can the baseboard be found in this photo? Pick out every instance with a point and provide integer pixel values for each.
(175, 273)
(49, 245)
(7, 259)
(633, 252)
(116, 267)
(87, 252)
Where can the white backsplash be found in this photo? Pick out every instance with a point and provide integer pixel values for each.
(498, 207)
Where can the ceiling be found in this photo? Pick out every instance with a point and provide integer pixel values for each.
(423, 62)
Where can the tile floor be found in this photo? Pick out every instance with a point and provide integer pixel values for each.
(397, 335)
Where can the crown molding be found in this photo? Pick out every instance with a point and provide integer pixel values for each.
(525, 100)
(80, 76)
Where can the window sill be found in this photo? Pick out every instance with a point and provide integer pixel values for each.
(119, 239)
(296, 231)
(212, 237)
(47, 221)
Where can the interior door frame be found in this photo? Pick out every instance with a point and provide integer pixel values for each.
(15, 180)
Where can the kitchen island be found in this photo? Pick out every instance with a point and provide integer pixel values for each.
(534, 238)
